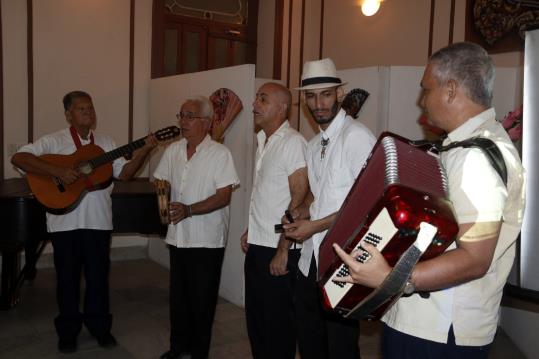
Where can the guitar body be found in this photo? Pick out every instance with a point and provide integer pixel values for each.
(62, 198)
(95, 169)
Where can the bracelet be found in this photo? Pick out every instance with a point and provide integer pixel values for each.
(189, 211)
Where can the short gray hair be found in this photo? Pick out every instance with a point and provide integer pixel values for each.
(71, 96)
(205, 105)
(468, 64)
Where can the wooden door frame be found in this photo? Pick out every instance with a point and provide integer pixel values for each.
(202, 51)
(160, 18)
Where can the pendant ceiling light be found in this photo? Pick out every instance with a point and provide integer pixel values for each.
(370, 7)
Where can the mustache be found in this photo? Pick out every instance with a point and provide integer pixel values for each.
(333, 112)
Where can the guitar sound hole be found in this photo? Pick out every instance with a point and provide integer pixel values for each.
(85, 168)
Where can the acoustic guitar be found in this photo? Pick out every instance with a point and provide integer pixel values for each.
(94, 166)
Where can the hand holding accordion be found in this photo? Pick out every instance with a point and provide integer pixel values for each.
(399, 196)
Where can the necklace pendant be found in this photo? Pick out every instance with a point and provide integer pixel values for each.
(324, 142)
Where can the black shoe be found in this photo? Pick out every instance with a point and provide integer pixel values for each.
(106, 341)
(67, 345)
(171, 355)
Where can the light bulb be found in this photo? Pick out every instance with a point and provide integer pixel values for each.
(370, 7)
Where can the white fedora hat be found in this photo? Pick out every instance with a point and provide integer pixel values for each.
(319, 74)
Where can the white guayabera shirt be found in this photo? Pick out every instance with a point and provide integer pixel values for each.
(95, 209)
(332, 175)
(276, 160)
(478, 195)
(211, 167)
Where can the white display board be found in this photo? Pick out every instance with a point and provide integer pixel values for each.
(529, 269)
(395, 91)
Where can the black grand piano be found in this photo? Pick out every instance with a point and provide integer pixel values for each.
(134, 207)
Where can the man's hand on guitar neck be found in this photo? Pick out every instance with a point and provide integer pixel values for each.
(139, 156)
(150, 142)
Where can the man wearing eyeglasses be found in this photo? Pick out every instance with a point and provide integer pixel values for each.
(202, 177)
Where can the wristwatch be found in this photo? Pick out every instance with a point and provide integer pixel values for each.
(409, 288)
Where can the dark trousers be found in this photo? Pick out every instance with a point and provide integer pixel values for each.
(397, 345)
(194, 286)
(269, 306)
(322, 334)
(77, 251)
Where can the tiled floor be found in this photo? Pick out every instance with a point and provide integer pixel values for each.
(139, 290)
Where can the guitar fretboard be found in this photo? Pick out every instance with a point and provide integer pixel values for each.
(116, 153)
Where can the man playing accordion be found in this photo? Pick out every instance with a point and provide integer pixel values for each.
(460, 317)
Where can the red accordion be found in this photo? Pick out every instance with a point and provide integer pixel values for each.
(400, 186)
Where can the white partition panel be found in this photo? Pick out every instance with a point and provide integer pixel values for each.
(393, 101)
(520, 319)
(529, 278)
(393, 104)
(166, 96)
(373, 114)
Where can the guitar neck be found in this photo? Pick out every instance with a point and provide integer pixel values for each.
(117, 153)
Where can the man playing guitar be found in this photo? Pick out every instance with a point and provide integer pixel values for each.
(81, 237)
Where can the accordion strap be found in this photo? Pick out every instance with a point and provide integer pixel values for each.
(489, 148)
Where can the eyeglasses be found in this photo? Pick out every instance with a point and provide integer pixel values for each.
(189, 116)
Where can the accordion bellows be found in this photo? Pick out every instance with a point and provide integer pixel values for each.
(399, 187)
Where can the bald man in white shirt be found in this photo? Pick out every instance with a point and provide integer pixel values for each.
(280, 184)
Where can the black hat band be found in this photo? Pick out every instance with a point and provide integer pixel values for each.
(320, 80)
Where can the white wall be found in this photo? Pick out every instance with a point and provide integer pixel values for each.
(166, 96)
(67, 56)
(95, 61)
(142, 72)
(15, 80)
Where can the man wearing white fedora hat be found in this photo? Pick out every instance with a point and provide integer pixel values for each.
(334, 159)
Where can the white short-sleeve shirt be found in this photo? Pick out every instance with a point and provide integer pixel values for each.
(478, 195)
(331, 177)
(95, 209)
(276, 160)
(211, 167)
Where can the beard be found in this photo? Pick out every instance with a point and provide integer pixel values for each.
(321, 120)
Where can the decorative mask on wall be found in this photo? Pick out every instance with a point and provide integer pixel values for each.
(226, 106)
